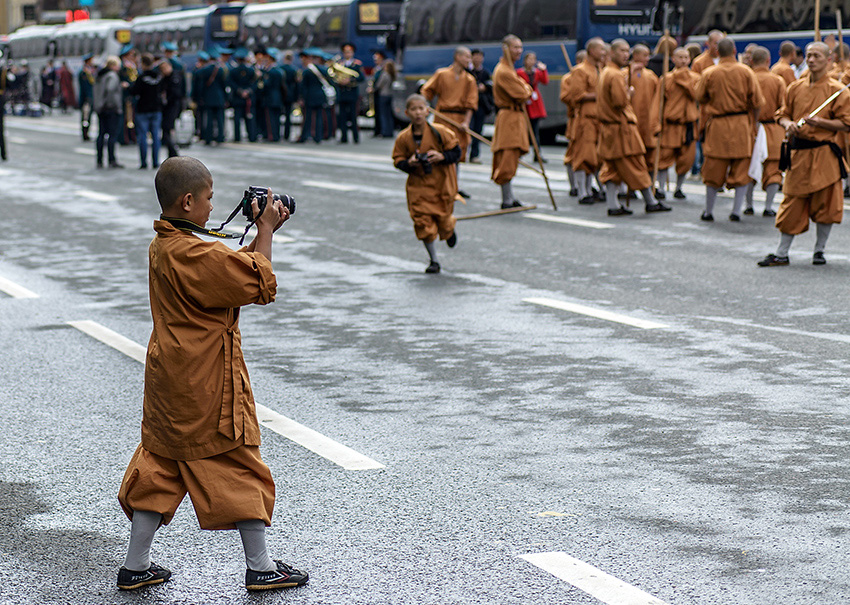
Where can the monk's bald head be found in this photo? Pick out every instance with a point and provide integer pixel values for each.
(760, 56)
(619, 44)
(818, 46)
(594, 43)
(726, 47)
(178, 176)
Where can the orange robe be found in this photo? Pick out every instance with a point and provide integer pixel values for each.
(702, 62)
(783, 69)
(645, 105)
(430, 197)
(584, 79)
(510, 138)
(680, 121)
(620, 146)
(728, 94)
(457, 94)
(813, 188)
(773, 90)
(199, 426)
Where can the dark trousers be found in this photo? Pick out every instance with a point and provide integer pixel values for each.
(239, 115)
(386, 113)
(535, 129)
(312, 123)
(85, 117)
(476, 125)
(2, 129)
(287, 120)
(110, 125)
(169, 118)
(348, 119)
(271, 124)
(213, 124)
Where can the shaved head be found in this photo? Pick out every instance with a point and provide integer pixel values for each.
(760, 56)
(618, 44)
(726, 47)
(820, 46)
(178, 176)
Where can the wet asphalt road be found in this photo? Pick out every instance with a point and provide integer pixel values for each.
(703, 462)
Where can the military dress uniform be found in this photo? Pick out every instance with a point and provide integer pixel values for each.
(271, 90)
(242, 83)
(213, 82)
(314, 99)
(349, 97)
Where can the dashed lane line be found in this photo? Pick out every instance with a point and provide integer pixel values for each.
(597, 313)
(843, 338)
(85, 151)
(590, 579)
(307, 438)
(14, 290)
(327, 185)
(567, 221)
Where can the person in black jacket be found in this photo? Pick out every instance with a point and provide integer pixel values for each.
(485, 101)
(148, 90)
(173, 89)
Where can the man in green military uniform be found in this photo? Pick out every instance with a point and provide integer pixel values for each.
(290, 77)
(314, 77)
(242, 81)
(270, 88)
(212, 79)
(349, 95)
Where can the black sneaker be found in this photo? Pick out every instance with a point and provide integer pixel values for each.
(679, 195)
(818, 259)
(587, 200)
(283, 577)
(705, 216)
(463, 194)
(131, 580)
(514, 204)
(734, 218)
(451, 241)
(660, 195)
(749, 212)
(433, 268)
(771, 260)
(619, 211)
(769, 213)
(657, 207)
(573, 192)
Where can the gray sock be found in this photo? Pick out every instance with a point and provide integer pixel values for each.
(710, 199)
(680, 180)
(750, 189)
(507, 193)
(571, 175)
(823, 234)
(145, 524)
(771, 192)
(611, 195)
(432, 252)
(581, 183)
(740, 198)
(253, 534)
(648, 198)
(590, 178)
(785, 240)
(662, 180)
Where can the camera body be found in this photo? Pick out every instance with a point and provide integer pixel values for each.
(261, 194)
(422, 158)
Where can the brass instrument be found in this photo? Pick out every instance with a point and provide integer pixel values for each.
(342, 74)
(128, 113)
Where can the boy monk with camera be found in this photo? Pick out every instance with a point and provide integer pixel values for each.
(428, 154)
(200, 432)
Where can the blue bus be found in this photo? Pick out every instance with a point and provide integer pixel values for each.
(369, 24)
(192, 30)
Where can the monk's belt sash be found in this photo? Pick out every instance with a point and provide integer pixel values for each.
(795, 143)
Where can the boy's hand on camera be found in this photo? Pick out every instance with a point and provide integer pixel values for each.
(284, 214)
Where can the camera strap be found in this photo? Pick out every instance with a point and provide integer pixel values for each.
(184, 225)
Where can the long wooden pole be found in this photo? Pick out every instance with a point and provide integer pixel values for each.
(505, 54)
(817, 21)
(662, 93)
(841, 56)
(475, 135)
(567, 58)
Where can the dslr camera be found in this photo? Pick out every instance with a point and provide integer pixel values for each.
(422, 158)
(261, 194)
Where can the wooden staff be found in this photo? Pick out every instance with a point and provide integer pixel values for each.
(664, 70)
(533, 138)
(475, 135)
(817, 21)
(464, 217)
(841, 56)
(567, 58)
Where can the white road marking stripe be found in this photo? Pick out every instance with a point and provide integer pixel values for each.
(85, 151)
(567, 221)
(113, 339)
(18, 140)
(280, 239)
(590, 579)
(597, 313)
(96, 195)
(746, 324)
(324, 185)
(317, 443)
(14, 290)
